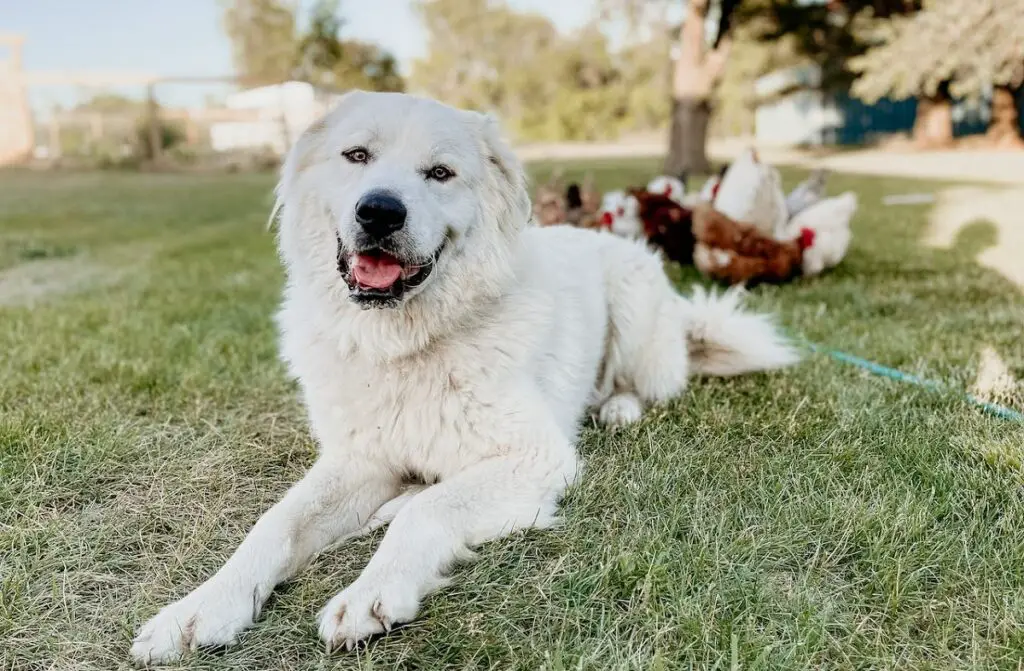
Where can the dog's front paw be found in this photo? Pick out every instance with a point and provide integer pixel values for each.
(364, 609)
(208, 617)
(621, 409)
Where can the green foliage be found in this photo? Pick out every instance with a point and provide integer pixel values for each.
(263, 40)
(111, 103)
(770, 34)
(750, 58)
(829, 34)
(169, 135)
(269, 50)
(328, 61)
(484, 55)
(968, 45)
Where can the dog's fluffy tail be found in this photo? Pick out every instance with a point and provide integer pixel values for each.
(723, 339)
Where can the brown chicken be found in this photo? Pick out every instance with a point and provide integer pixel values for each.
(736, 253)
(667, 225)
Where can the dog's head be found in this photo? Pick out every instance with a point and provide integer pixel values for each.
(391, 199)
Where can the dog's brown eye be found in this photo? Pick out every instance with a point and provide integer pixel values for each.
(357, 155)
(440, 173)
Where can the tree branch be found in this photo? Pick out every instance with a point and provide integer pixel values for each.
(725, 20)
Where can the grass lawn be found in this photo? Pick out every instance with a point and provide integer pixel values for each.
(815, 518)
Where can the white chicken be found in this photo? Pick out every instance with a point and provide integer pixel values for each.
(806, 193)
(823, 230)
(620, 214)
(751, 192)
(669, 187)
(707, 192)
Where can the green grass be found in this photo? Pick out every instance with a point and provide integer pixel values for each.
(815, 518)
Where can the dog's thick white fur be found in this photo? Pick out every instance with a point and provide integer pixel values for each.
(473, 382)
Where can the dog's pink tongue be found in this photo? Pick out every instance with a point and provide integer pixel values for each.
(377, 272)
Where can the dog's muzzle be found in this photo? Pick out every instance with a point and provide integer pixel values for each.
(380, 278)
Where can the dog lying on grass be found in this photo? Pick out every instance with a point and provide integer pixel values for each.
(435, 334)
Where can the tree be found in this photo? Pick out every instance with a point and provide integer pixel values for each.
(726, 44)
(263, 40)
(951, 48)
(750, 58)
(111, 103)
(480, 54)
(327, 60)
(697, 72)
(831, 34)
(267, 49)
(697, 67)
(484, 55)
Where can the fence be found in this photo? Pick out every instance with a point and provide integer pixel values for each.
(129, 117)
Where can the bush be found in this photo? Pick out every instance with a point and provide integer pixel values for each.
(170, 135)
(111, 161)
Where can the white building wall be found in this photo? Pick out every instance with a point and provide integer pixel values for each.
(283, 112)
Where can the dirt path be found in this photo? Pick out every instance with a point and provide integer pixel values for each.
(999, 167)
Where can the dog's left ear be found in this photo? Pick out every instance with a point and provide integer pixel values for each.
(509, 177)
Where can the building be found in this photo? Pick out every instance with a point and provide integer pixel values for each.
(281, 113)
(16, 129)
(793, 110)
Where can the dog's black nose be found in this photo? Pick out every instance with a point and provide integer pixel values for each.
(380, 214)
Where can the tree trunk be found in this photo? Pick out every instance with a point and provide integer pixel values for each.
(1004, 129)
(687, 153)
(695, 74)
(154, 135)
(933, 126)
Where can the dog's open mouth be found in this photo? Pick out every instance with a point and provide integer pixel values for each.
(379, 279)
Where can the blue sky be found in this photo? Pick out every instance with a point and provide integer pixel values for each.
(184, 37)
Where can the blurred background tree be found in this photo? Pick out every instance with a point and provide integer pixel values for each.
(698, 62)
(725, 45)
(828, 34)
(269, 48)
(263, 40)
(547, 86)
(326, 60)
(951, 48)
(644, 65)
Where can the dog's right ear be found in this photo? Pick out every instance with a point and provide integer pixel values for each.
(511, 179)
(304, 151)
(298, 158)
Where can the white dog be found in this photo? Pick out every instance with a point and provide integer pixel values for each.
(439, 339)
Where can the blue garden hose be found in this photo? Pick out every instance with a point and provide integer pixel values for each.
(898, 375)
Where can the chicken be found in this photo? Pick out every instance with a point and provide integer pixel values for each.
(582, 205)
(667, 225)
(620, 214)
(751, 192)
(823, 230)
(549, 202)
(737, 253)
(806, 193)
(669, 187)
